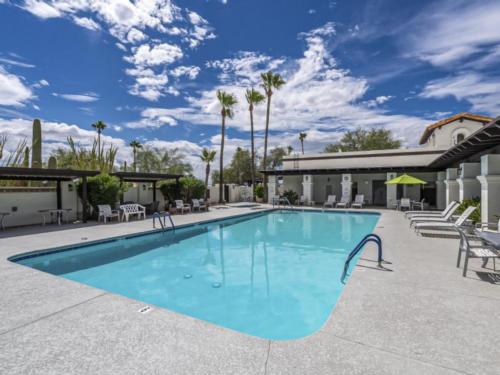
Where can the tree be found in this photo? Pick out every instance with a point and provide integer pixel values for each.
(135, 146)
(302, 137)
(276, 156)
(364, 140)
(227, 102)
(99, 126)
(270, 81)
(253, 97)
(207, 156)
(289, 149)
(239, 170)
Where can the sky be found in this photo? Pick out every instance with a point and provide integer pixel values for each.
(150, 69)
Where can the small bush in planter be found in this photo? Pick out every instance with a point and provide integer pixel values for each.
(475, 217)
(102, 189)
(259, 191)
(291, 196)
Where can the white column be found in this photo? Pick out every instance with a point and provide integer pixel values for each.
(347, 186)
(452, 189)
(440, 191)
(271, 188)
(392, 191)
(469, 186)
(490, 187)
(308, 187)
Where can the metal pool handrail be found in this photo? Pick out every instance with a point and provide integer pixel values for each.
(163, 215)
(369, 237)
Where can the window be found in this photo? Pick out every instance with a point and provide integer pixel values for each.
(460, 138)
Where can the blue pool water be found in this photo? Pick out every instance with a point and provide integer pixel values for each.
(273, 275)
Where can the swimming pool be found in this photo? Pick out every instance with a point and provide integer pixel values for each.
(275, 275)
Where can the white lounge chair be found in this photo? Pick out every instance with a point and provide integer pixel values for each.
(197, 205)
(132, 209)
(181, 206)
(446, 225)
(431, 213)
(302, 201)
(105, 212)
(344, 202)
(482, 251)
(359, 200)
(447, 217)
(331, 201)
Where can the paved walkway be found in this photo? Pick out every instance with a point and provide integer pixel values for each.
(421, 317)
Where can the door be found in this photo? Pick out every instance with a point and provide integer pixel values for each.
(379, 192)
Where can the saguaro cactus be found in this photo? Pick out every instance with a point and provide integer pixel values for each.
(52, 162)
(36, 145)
(26, 161)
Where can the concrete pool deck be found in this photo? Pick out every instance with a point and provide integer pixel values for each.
(420, 317)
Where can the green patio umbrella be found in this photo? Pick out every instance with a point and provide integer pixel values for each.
(405, 180)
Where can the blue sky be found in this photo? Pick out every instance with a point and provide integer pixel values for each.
(150, 68)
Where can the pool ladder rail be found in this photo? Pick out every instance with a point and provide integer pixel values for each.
(372, 237)
(282, 201)
(164, 215)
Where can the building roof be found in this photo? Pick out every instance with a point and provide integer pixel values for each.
(145, 177)
(376, 159)
(43, 174)
(460, 116)
(481, 140)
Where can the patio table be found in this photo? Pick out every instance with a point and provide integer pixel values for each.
(58, 212)
(2, 219)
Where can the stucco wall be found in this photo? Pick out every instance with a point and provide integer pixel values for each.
(445, 136)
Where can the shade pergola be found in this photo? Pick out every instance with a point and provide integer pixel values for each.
(58, 175)
(147, 177)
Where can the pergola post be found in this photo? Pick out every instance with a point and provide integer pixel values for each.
(84, 199)
(59, 194)
(177, 188)
(121, 190)
(154, 191)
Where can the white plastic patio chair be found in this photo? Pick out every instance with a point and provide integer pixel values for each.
(418, 205)
(181, 206)
(405, 203)
(482, 251)
(197, 205)
(331, 201)
(105, 212)
(132, 209)
(359, 200)
(344, 202)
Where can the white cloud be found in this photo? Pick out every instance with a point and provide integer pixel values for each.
(378, 100)
(318, 97)
(82, 98)
(41, 83)
(87, 23)
(481, 91)
(453, 31)
(311, 11)
(41, 9)
(190, 71)
(16, 63)
(148, 84)
(13, 91)
(135, 36)
(160, 54)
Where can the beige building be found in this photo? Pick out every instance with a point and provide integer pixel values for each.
(459, 158)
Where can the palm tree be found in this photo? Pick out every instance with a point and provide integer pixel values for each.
(302, 136)
(99, 126)
(227, 101)
(253, 97)
(270, 81)
(289, 149)
(135, 146)
(207, 156)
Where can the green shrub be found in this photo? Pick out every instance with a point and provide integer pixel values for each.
(259, 191)
(291, 196)
(190, 187)
(476, 202)
(102, 189)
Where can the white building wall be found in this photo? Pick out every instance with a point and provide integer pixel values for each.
(446, 136)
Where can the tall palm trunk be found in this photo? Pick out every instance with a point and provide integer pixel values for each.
(207, 173)
(99, 144)
(302, 143)
(221, 173)
(253, 151)
(264, 160)
(135, 160)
